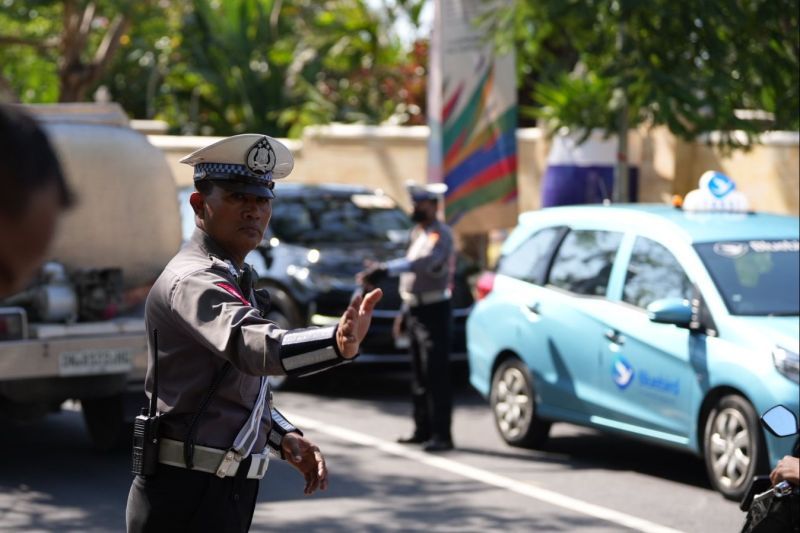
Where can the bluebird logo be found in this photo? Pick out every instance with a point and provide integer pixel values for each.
(622, 372)
(720, 185)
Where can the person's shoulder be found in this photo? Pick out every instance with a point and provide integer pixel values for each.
(192, 261)
(442, 228)
(444, 225)
(192, 266)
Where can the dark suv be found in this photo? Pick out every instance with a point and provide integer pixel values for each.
(318, 239)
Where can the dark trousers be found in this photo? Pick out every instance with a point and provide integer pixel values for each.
(177, 499)
(429, 328)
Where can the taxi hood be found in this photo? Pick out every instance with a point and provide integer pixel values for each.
(777, 330)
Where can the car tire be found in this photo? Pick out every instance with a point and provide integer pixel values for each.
(514, 406)
(733, 446)
(283, 313)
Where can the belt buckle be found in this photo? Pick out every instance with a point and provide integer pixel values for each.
(229, 464)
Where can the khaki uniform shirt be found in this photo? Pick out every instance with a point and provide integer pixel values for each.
(204, 319)
(430, 259)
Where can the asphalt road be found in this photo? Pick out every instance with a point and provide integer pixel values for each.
(51, 479)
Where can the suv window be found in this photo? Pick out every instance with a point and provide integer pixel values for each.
(528, 262)
(654, 273)
(336, 219)
(583, 262)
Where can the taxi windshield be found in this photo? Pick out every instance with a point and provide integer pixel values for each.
(756, 277)
(337, 219)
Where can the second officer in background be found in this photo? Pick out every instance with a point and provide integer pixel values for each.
(426, 277)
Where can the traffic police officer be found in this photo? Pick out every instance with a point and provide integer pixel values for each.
(216, 349)
(426, 276)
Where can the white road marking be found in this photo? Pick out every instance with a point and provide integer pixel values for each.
(482, 476)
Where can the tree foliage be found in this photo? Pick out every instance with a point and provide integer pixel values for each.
(284, 65)
(218, 66)
(695, 67)
(59, 50)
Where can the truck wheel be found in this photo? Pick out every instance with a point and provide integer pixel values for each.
(514, 406)
(105, 421)
(733, 446)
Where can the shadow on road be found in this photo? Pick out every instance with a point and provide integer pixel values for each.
(52, 480)
(590, 450)
(572, 446)
(372, 382)
(380, 501)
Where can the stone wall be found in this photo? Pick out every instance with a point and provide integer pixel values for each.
(388, 157)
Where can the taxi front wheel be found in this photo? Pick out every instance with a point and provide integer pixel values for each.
(284, 313)
(733, 446)
(514, 406)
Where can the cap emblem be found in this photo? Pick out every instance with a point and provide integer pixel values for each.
(261, 157)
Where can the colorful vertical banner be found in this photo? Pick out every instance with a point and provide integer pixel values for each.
(472, 110)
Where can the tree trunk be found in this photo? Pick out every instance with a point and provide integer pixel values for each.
(76, 76)
(621, 171)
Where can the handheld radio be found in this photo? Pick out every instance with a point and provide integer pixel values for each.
(145, 427)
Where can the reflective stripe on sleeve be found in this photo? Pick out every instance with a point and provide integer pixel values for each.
(249, 433)
(305, 351)
(280, 427)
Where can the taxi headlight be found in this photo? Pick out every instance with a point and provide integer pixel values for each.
(787, 362)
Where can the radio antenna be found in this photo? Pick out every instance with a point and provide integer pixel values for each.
(154, 395)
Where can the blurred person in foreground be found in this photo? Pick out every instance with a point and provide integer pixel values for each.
(34, 194)
(426, 277)
(217, 423)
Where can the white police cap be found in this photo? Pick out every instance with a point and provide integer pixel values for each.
(430, 191)
(245, 163)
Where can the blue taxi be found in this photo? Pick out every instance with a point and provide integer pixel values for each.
(673, 325)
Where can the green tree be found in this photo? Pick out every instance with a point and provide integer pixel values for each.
(59, 50)
(695, 67)
(281, 65)
(217, 66)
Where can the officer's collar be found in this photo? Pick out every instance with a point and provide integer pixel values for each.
(434, 224)
(209, 246)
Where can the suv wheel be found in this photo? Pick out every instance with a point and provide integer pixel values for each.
(514, 406)
(284, 313)
(733, 446)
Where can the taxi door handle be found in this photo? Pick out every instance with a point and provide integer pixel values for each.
(531, 311)
(614, 336)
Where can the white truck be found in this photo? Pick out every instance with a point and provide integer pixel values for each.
(77, 331)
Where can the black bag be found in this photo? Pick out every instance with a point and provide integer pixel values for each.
(769, 514)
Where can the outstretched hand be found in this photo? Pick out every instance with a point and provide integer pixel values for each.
(787, 469)
(355, 322)
(371, 276)
(305, 456)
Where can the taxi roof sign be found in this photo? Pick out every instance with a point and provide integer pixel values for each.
(716, 193)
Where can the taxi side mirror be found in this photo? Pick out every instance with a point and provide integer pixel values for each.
(675, 311)
(780, 421)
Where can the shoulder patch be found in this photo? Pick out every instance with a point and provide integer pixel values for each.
(232, 290)
(433, 237)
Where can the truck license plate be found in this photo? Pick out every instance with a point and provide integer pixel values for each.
(91, 362)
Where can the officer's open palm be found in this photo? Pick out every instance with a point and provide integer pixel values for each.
(305, 456)
(355, 322)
